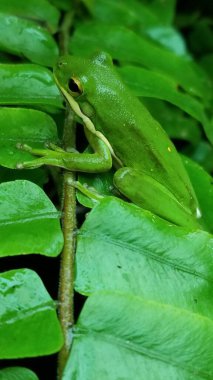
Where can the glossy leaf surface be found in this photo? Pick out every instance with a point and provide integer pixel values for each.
(144, 255)
(28, 84)
(24, 38)
(29, 325)
(156, 85)
(25, 126)
(145, 19)
(126, 46)
(38, 10)
(120, 336)
(29, 222)
(168, 37)
(135, 14)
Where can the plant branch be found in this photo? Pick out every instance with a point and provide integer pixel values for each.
(66, 277)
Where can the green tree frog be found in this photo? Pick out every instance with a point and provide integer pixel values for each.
(121, 132)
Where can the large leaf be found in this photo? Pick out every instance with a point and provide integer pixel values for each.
(29, 325)
(24, 38)
(164, 10)
(132, 14)
(142, 18)
(28, 84)
(137, 14)
(120, 336)
(29, 222)
(157, 85)
(124, 248)
(19, 125)
(168, 37)
(38, 10)
(126, 46)
(17, 373)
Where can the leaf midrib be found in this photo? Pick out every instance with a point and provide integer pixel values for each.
(79, 331)
(146, 252)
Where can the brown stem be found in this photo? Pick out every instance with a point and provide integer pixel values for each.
(66, 276)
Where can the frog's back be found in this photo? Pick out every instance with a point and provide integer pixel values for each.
(140, 142)
(137, 138)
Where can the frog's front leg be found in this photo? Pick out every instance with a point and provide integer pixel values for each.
(96, 162)
(146, 192)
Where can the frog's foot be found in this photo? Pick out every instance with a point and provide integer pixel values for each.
(51, 156)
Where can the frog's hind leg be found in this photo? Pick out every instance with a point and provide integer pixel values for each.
(146, 192)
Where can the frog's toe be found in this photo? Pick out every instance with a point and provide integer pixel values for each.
(30, 164)
(24, 147)
(34, 151)
(54, 147)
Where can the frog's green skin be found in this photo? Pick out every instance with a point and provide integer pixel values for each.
(149, 170)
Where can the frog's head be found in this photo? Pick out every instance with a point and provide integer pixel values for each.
(78, 76)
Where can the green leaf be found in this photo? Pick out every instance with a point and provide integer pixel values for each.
(174, 121)
(164, 10)
(28, 84)
(168, 37)
(17, 373)
(24, 38)
(144, 255)
(19, 125)
(157, 85)
(138, 17)
(29, 325)
(38, 10)
(132, 14)
(120, 336)
(135, 14)
(127, 47)
(203, 186)
(29, 222)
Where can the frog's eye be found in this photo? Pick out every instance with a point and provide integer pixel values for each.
(75, 86)
(60, 64)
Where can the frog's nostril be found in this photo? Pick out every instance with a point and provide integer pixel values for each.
(60, 64)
